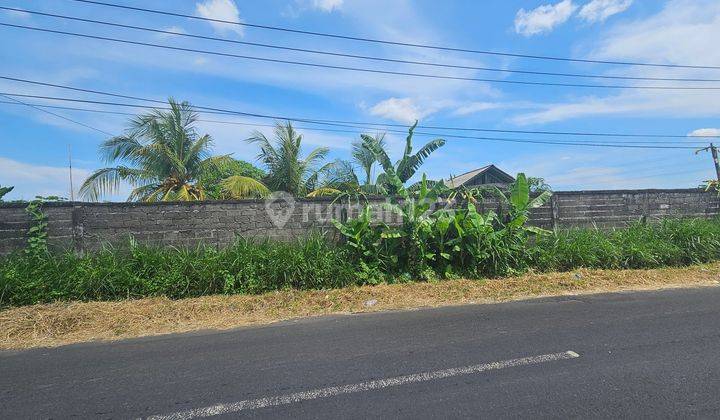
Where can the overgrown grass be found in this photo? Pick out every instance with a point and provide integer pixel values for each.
(141, 271)
(257, 267)
(667, 243)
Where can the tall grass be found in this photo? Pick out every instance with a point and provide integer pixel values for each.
(141, 271)
(667, 243)
(313, 263)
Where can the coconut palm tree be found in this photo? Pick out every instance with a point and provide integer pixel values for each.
(162, 156)
(287, 170)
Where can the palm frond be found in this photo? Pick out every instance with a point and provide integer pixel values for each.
(161, 148)
(107, 181)
(144, 192)
(315, 156)
(198, 151)
(267, 154)
(365, 158)
(243, 187)
(341, 172)
(122, 147)
(380, 154)
(324, 192)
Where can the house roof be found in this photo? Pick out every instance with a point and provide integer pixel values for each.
(462, 179)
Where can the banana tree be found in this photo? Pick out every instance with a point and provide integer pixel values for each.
(520, 204)
(396, 175)
(4, 191)
(410, 240)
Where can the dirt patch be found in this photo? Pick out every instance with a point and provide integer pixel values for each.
(64, 323)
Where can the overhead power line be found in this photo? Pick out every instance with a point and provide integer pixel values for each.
(634, 168)
(397, 43)
(358, 56)
(355, 130)
(454, 136)
(38, 108)
(686, 172)
(374, 125)
(360, 69)
(130, 114)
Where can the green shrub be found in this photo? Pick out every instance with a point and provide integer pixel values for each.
(445, 243)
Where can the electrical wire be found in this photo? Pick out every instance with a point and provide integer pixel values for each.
(375, 125)
(496, 139)
(19, 102)
(397, 43)
(38, 107)
(356, 131)
(354, 56)
(361, 69)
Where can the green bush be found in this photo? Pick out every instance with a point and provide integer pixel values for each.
(432, 243)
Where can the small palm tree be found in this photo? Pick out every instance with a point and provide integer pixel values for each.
(364, 157)
(345, 175)
(162, 156)
(287, 170)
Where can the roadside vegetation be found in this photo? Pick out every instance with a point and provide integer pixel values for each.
(164, 158)
(137, 271)
(60, 323)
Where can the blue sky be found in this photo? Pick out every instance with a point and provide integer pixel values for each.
(34, 149)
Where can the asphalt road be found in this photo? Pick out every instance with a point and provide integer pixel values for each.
(640, 355)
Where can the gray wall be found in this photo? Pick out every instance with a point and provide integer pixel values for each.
(86, 226)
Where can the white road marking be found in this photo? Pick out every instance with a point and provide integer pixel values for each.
(234, 407)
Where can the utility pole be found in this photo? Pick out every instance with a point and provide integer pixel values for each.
(714, 152)
(72, 190)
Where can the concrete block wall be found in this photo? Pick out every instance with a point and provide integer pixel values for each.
(615, 208)
(87, 226)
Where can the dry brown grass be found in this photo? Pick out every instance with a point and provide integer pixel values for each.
(63, 323)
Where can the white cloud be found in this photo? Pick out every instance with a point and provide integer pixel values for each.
(221, 10)
(30, 180)
(579, 168)
(588, 106)
(475, 107)
(543, 18)
(599, 10)
(176, 29)
(18, 14)
(404, 110)
(705, 132)
(399, 20)
(327, 5)
(683, 32)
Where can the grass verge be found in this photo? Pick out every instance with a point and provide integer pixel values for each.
(48, 325)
